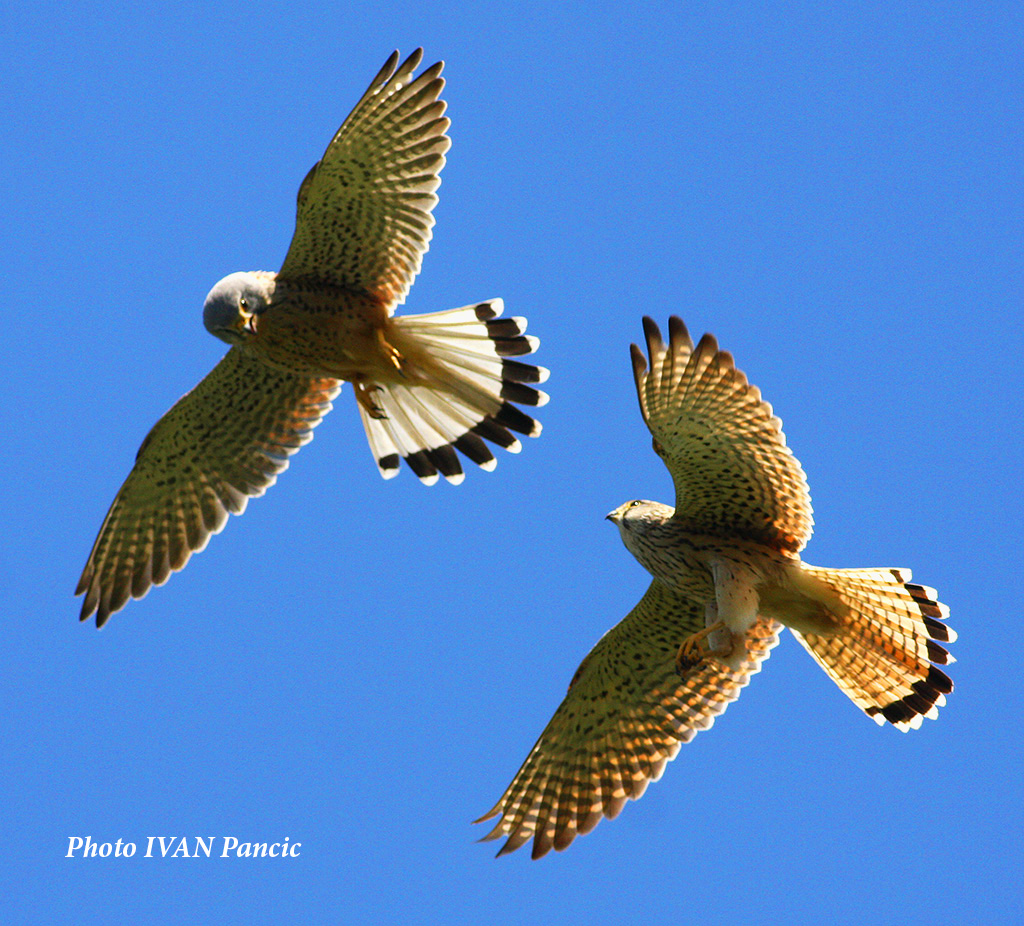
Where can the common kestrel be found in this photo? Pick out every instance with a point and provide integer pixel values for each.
(727, 576)
(426, 385)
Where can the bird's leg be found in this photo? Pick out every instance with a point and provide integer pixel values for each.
(727, 617)
(392, 357)
(717, 640)
(365, 397)
(694, 649)
(390, 353)
(736, 597)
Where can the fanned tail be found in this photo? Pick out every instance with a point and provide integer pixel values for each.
(886, 652)
(460, 392)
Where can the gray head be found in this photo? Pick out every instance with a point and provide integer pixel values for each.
(232, 306)
(639, 516)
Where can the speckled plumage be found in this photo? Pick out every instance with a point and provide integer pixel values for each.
(426, 385)
(734, 475)
(625, 716)
(725, 564)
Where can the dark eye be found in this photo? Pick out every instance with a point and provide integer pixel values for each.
(243, 303)
(635, 502)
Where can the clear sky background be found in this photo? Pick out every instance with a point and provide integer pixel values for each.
(361, 666)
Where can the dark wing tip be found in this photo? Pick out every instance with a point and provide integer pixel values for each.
(652, 334)
(94, 605)
(679, 338)
(639, 363)
(385, 73)
(490, 815)
(708, 344)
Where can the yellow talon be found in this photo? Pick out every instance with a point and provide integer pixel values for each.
(391, 354)
(694, 649)
(364, 396)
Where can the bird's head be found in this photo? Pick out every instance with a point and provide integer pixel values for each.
(234, 305)
(639, 516)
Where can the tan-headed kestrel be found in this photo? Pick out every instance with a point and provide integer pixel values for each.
(727, 577)
(426, 385)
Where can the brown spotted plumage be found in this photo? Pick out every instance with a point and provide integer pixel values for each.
(426, 385)
(727, 576)
(625, 716)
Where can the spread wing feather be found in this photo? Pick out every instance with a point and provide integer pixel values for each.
(624, 717)
(364, 218)
(219, 445)
(734, 474)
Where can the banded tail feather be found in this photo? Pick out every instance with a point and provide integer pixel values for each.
(887, 651)
(460, 390)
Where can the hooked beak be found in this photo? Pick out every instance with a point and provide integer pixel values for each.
(245, 324)
(614, 516)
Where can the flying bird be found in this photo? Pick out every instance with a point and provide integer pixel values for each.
(426, 385)
(727, 577)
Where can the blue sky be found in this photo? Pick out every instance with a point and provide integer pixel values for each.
(361, 666)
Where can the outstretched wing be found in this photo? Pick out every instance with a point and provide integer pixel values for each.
(625, 715)
(364, 211)
(733, 472)
(219, 445)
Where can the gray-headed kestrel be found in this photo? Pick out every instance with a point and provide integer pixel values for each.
(426, 385)
(727, 577)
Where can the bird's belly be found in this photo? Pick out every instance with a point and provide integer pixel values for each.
(336, 341)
